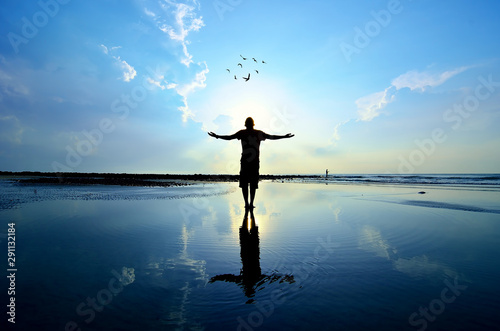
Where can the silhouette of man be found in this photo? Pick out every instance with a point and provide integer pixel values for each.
(250, 143)
(251, 278)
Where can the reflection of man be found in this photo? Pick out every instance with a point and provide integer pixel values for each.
(250, 276)
(250, 143)
(250, 273)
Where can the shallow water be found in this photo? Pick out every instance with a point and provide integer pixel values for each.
(339, 257)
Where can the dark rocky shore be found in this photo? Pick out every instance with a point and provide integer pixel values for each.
(165, 180)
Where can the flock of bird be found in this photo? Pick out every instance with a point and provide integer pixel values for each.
(246, 79)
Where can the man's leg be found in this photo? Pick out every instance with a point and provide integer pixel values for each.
(253, 188)
(244, 190)
(252, 196)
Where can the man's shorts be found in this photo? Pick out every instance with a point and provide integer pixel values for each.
(249, 174)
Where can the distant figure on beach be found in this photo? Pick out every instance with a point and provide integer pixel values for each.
(326, 176)
(250, 143)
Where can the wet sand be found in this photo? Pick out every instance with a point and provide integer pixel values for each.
(339, 257)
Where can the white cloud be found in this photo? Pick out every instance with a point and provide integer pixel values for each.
(197, 82)
(336, 134)
(163, 85)
(370, 106)
(186, 89)
(104, 49)
(149, 12)
(177, 20)
(185, 20)
(188, 59)
(129, 72)
(415, 80)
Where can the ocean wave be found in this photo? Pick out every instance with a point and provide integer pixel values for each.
(427, 179)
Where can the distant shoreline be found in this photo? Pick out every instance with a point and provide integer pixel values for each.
(166, 180)
(124, 179)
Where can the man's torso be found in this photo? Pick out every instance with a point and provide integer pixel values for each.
(250, 144)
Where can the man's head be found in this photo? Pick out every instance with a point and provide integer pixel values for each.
(249, 123)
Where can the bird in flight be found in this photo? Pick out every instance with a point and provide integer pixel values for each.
(254, 60)
(228, 70)
(241, 65)
(235, 77)
(263, 62)
(244, 58)
(246, 78)
(257, 71)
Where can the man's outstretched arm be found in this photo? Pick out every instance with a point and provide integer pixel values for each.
(276, 137)
(233, 136)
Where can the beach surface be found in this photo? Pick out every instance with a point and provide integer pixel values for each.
(321, 255)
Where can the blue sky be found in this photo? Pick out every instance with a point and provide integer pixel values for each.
(365, 86)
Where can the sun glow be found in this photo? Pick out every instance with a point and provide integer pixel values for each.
(238, 100)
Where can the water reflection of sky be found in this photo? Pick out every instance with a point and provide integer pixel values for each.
(351, 213)
(336, 252)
